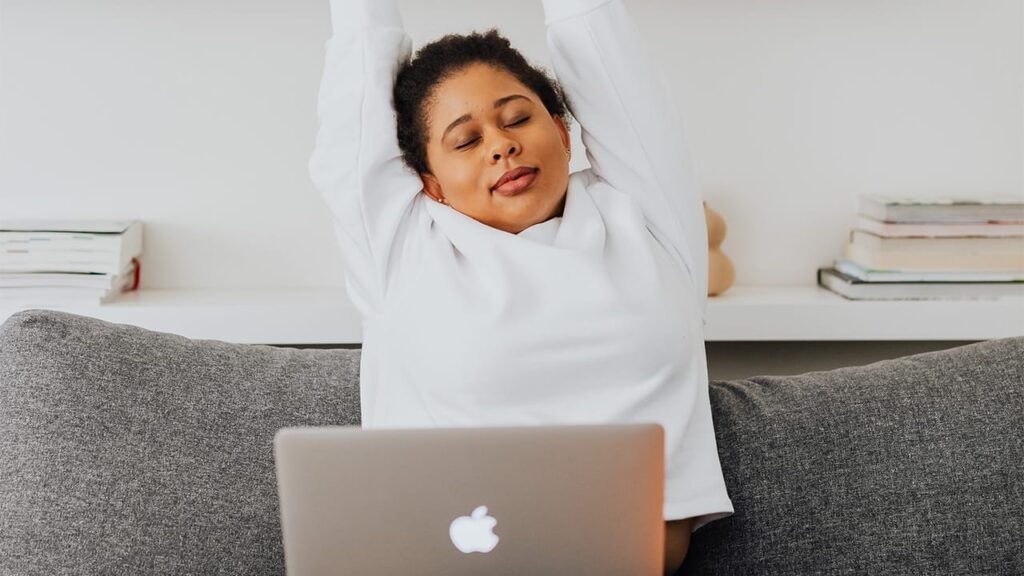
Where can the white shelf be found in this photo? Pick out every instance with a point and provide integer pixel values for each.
(743, 313)
(258, 316)
(815, 313)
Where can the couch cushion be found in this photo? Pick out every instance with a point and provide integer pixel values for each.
(126, 451)
(905, 466)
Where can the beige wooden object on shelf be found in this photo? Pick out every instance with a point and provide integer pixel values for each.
(721, 273)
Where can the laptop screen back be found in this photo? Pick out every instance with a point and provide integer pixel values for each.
(568, 499)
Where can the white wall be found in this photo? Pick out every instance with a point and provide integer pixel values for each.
(198, 117)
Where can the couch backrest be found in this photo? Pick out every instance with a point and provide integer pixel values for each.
(126, 451)
(905, 466)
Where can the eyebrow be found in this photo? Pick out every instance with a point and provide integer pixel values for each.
(466, 117)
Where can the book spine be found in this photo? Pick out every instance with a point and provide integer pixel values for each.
(103, 241)
(896, 230)
(935, 261)
(853, 290)
(58, 245)
(852, 269)
(946, 214)
(834, 283)
(61, 267)
(933, 244)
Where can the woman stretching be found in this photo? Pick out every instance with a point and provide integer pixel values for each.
(496, 288)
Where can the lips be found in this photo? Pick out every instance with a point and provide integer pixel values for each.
(512, 174)
(514, 180)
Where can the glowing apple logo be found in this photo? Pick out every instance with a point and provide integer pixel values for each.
(474, 534)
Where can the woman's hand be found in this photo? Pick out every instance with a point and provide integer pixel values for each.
(677, 542)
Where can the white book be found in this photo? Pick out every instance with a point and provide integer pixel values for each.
(56, 241)
(64, 264)
(70, 279)
(942, 210)
(852, 269)
(63, 295)
(68, 246)
(91, 226)
(854, 289)
(918, 261)
(929, 230)
(968, 244)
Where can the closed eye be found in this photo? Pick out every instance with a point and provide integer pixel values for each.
(473, 141)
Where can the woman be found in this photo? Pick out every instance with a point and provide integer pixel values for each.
(495, 287)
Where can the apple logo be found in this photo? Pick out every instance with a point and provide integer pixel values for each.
(474, 534)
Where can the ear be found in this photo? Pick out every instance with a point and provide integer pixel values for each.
(431, 186)
(564, 132)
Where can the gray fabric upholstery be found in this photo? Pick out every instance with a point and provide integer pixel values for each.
(125, 451)
(906, 466)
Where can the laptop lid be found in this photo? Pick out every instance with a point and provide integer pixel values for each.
(572, 499)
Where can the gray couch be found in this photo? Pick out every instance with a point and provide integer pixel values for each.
(125, 451)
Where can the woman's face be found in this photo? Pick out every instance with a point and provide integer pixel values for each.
(481, 123)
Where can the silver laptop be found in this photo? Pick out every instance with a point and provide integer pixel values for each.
(574, 499)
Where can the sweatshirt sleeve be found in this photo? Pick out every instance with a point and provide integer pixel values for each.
(356, 164)
(629, 123)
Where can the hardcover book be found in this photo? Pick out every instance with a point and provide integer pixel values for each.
(943, 210)
(854, 289)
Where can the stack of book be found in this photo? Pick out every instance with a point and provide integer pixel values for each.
(906, 249)
(54, 262)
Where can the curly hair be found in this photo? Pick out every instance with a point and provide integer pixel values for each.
(446, 56)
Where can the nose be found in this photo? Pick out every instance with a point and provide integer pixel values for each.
(504, 147)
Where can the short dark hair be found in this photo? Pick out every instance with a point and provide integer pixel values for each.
(446, 56)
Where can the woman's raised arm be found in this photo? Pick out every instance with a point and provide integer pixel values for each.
(629, 122)
(356, 165)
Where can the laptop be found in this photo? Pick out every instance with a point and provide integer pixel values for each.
(570, 499)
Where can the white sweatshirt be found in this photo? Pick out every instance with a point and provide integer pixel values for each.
(592, 317)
